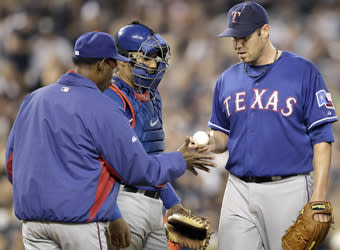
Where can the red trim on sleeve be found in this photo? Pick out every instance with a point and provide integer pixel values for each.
(161, 186)
(110, 169)
(104, 186)
(10, 167)
(125, 101)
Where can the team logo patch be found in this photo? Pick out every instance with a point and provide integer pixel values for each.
(134, 139)
(324, 98)
(64, 89)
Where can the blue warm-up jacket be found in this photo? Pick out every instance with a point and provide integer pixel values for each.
(69, 149)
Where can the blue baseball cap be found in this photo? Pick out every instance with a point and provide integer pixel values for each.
(244, 19)
(97, 45)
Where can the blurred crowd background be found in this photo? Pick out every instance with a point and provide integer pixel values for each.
(36, 46)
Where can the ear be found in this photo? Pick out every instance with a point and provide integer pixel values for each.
(265, 31)
(100, 66)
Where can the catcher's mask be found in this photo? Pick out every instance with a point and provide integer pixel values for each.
(137, 41)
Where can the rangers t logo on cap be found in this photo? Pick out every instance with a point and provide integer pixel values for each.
(235, 14)
(244, 19)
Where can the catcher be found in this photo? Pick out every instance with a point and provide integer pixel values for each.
(135, 89)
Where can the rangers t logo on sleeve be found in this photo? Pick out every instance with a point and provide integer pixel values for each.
(324, 98)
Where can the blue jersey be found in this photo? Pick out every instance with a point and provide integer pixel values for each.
(146, 118)
(269, 118)
(69, 149)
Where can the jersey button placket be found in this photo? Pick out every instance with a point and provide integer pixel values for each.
(250, 129)
(251, 112)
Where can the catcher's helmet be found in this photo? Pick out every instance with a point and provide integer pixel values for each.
(137, 37)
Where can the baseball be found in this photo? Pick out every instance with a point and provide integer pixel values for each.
(201, 138)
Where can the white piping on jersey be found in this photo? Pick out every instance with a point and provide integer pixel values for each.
(209, 123)
(324, 119)
(312, 125)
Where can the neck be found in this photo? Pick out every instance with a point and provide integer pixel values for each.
(269, 55)
(86, 71)
(276, 56)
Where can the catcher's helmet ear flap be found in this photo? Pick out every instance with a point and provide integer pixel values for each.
(139, 38)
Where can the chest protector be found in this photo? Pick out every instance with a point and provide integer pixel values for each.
(145, 117)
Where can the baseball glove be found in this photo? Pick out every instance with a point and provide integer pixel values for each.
(188, 231)
(306, 233)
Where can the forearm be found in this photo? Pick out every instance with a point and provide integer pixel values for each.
(169, 196)
(321, 162)
(218, 141)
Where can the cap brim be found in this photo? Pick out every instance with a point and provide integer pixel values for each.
(121, 58)
(232, 32)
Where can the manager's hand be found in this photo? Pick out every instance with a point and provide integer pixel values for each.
(194, 159)
(119, 234)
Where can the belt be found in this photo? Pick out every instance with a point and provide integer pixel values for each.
(265, 178)
(148, 193)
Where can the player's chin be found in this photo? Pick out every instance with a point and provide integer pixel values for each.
(108, 82)
(104, 85)
(243, 58)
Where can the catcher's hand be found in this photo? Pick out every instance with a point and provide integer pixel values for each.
(306, 233)
(188, 231)
(177, 208)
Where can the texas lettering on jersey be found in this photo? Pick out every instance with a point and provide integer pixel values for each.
(270, 104)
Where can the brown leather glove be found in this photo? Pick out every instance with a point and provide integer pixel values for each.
(188, 231)
(306, 233)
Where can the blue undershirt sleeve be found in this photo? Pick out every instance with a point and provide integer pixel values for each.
(169, 196)
(117, 215)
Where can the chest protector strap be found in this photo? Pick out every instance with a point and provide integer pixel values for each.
(126, 101)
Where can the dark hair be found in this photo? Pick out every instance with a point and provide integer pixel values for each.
(87, 61)
(90, 61)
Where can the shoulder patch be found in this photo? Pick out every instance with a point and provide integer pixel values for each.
(324, 99)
